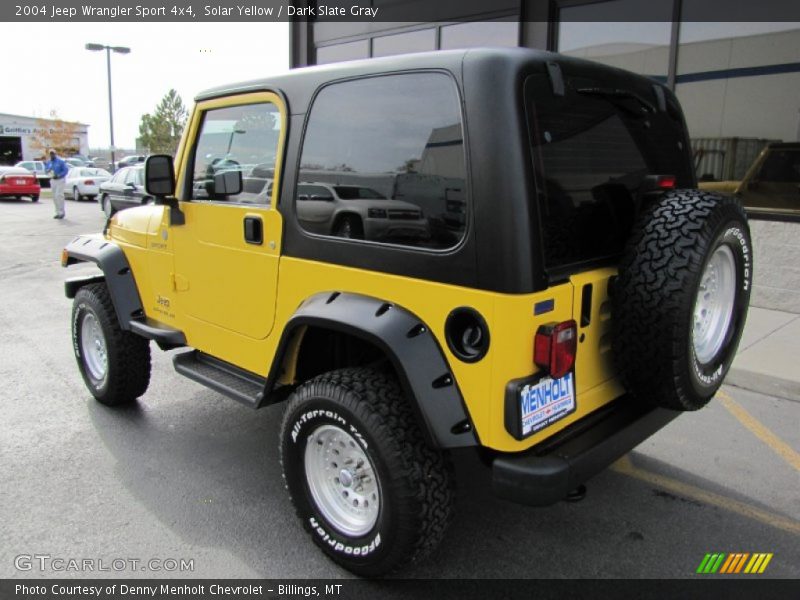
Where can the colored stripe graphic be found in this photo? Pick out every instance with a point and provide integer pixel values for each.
(733, 563)
(727, 564)
(703, 563)
(711, 562)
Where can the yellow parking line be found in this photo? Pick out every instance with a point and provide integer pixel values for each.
(781, 448)
(625, 466)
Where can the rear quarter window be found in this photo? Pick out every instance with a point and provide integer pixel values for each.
(390, 151)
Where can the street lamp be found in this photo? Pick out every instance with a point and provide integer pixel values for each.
(109, 49)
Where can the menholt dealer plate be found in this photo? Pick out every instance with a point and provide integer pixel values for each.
(545, 402)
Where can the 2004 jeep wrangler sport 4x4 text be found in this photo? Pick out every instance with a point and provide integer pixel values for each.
(497, 249)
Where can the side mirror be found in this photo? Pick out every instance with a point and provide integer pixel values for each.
(159, 182)
(228, 183)
(159, 175)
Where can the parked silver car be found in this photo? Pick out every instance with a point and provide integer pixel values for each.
(358, 212)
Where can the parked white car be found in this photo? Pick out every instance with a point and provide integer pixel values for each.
(84, 182)
(37, 168)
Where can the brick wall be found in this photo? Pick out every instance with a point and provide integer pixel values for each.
(776, 258)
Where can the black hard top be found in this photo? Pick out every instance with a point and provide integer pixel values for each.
(300, 84)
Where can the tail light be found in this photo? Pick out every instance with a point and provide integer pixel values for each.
(665, 182)
(88, 182)
(554, 348)
(658, 183)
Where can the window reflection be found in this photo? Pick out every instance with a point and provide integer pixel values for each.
(393, 170)
(235, 154)
(585, 31)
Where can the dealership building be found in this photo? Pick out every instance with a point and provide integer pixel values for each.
(738, 82)
(18, 133)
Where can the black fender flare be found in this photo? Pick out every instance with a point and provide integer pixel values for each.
(413, 350)
(117, 275)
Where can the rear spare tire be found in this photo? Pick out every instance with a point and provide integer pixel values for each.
(680, 301)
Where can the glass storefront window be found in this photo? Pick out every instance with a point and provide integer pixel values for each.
(342, 52)
(483, 33)
(641, 47)
(404, 43)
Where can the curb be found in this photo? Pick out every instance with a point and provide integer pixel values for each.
(764, 384)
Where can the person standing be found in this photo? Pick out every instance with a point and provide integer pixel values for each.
(59, 168)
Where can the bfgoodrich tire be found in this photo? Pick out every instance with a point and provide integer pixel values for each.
(680, 301)
(115, 364)
(370, 492)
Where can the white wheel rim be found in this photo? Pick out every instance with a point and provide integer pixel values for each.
(713, 308)
(342, 480)
(107, 206)
(93, 347)
(75, 195)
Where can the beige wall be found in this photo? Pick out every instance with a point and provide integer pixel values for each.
(776, 264)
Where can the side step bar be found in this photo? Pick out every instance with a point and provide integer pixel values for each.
(222, 377)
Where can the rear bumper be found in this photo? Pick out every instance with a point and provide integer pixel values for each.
(19, 190)
(547, 472)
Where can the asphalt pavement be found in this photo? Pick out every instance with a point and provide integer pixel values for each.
(188, 474)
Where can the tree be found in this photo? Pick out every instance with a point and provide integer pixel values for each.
(55, 134)
(161, 131)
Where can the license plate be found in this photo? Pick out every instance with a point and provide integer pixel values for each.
(545, 402)
(20, 182)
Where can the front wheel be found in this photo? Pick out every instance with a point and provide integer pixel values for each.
(76, 195)
(370, 492)
(115, 364)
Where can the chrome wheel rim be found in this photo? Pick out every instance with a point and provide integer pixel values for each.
(93, 346)
(107, 206)
(342, 480)
(713, 309)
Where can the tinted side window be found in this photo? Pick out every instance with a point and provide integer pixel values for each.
(241, 139)
(390, 151)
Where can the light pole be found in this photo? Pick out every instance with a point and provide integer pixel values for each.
(109, 49)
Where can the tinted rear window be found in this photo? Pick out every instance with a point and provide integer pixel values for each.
(592, 152)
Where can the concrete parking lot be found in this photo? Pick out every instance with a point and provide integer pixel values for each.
(188, 474)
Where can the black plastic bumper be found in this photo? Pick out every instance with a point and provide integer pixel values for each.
(547, 472)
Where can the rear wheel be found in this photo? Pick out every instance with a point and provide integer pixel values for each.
(681, 298)
(76, 194)
(370, 492)
(35, 198)
(115, 364)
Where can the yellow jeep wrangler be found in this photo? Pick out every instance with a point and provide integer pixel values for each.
(490, 249)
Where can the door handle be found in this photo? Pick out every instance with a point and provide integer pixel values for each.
(253, 230)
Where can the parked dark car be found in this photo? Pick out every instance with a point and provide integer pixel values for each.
(123, 190)
(129, 161)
